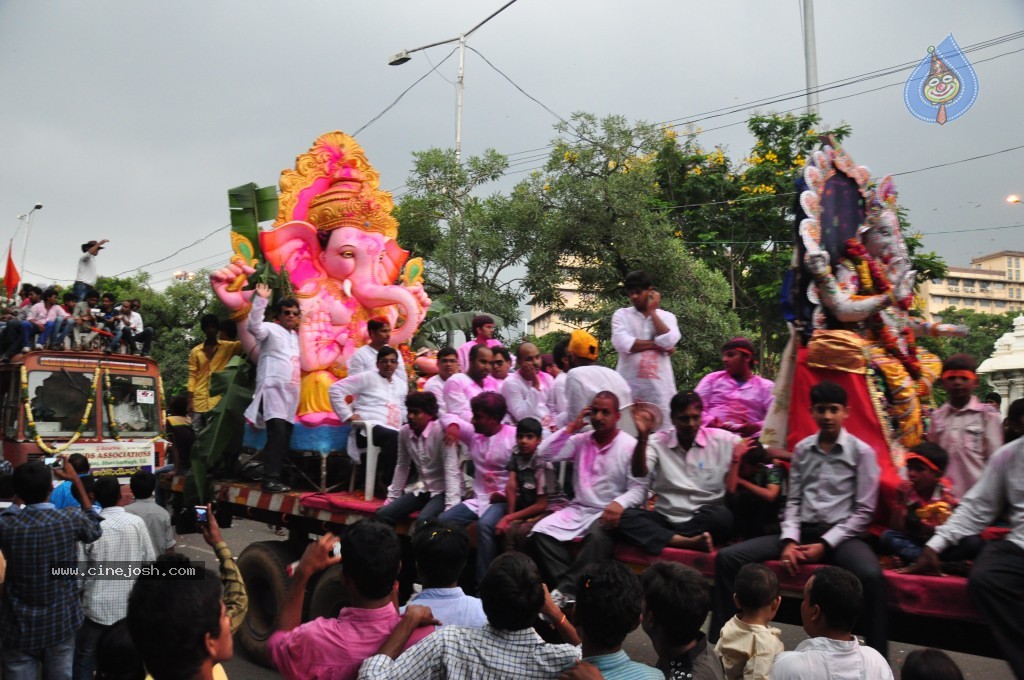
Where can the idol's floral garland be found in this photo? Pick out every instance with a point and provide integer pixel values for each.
(873, 281)
(33, 433)
(108, 399)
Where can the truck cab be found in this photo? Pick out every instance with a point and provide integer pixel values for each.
(58, 385)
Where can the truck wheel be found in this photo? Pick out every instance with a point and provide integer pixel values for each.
(329, 595)
(263, 566)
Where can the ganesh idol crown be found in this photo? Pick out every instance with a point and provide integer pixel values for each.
(334, 240)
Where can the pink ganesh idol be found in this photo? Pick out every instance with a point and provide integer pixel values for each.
(335, 237)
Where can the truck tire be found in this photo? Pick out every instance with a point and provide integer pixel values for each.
(329, 595)
(263, 566)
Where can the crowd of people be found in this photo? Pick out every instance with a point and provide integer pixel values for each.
(79, 318)
(529, 455)
(551, 474)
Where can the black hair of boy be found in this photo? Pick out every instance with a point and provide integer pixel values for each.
(529, 426)
(143, 484)
(116, 656)
(447, 352)
(479, 321)
(930, 664)
(637, 280)
(512, 592)
(178, 406)
(608, 597)
(684, 400)
(678, 598)
(170, 617)
(828, 392)
(489, 403)
(33, 482)
(840, 596)
(79, 462)
(756, 455)
(996, 397)
(1015, 413)
(756, 587)
(371, 557)
(560, 353)
(933, 452)
(285, 303)
(422, 401)
(386, 351)
(107, 491)
(960, 362)
(441, 551)
(7, 487)
(501, 350)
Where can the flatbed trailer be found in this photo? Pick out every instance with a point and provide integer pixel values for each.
(926, 610)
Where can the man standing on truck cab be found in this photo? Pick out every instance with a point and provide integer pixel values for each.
(277, 380)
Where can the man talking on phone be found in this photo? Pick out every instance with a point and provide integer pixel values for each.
(645, 336)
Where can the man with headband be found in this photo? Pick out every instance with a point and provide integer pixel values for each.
(734, 398)
(968, 429)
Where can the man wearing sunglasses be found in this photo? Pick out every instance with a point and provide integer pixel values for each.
(277, 380)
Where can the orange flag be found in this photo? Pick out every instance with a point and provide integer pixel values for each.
(11, 277)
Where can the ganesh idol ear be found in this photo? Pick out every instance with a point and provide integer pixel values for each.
(295, 247)
(393, 261)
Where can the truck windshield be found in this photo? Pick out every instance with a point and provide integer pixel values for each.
(135, 407)
(58, 402)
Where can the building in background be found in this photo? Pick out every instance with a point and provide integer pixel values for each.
(1005, 368)
(992, 285)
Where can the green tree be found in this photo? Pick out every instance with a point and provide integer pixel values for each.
(980, 341)
(470, 243)
(600, 216)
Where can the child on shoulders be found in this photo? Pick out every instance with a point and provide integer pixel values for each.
(748, 645)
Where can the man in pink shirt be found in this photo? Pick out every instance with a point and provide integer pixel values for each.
(462, 387)
(969, 430)
(736, 399)
(482, 328)
(335, 648)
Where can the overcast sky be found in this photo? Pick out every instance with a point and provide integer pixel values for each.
(129, 120)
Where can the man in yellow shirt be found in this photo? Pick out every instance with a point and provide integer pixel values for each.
(205, 359)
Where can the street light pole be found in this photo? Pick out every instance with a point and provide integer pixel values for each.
(402, 57)
(810, 57)
(458, 99)
(26, 221)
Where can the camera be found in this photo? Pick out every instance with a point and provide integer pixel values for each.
(201, 515)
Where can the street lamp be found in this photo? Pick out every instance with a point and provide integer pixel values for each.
(402, 57)
(26, 221)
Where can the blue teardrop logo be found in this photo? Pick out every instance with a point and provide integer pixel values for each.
(944, 85)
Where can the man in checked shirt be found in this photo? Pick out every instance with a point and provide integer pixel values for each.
(39, 615)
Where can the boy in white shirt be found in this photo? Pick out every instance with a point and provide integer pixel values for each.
(748, 645)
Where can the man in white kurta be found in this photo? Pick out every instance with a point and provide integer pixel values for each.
(278, 379)
(462, 387)
(645, 335)
(585, 379)
(379, 400)
(527, 390)
(365, 358)
(604, 489)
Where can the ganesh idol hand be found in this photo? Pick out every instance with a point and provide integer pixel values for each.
(221, 281)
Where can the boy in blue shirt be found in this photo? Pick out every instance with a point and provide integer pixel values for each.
(833, 489)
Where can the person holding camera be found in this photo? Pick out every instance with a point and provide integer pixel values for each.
(645, 336)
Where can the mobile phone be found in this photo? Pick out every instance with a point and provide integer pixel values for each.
(201, 517)
(52, 462)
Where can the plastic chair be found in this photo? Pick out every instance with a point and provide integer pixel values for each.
(372, 452)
